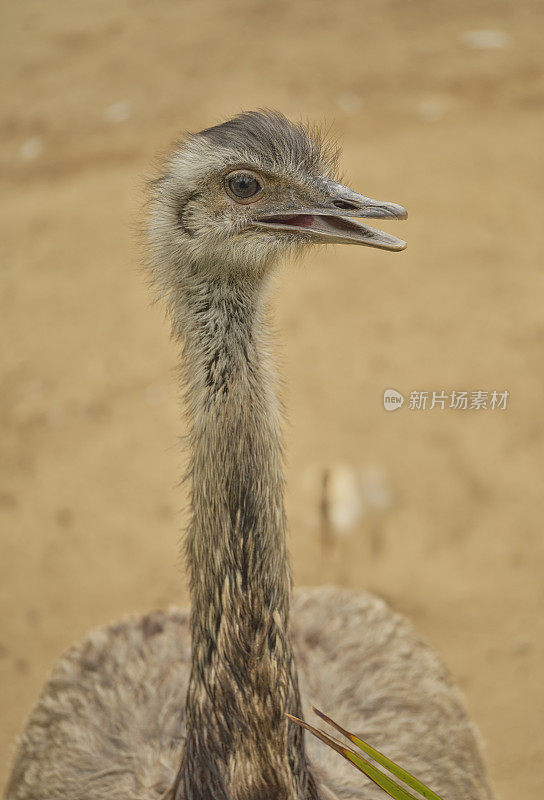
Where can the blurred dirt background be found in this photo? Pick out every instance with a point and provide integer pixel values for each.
(439, 106)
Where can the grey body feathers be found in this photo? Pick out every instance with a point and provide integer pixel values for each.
(114, 706)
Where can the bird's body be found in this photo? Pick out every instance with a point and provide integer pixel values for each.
(192, 707)
(117, 704)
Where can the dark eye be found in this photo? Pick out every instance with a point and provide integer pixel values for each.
(243, 185)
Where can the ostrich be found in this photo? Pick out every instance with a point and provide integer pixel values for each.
(193, 706)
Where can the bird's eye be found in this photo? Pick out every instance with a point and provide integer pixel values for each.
(243, 186)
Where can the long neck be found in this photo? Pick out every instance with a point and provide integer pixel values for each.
(239, 745)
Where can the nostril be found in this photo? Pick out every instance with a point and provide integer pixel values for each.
(344, 204)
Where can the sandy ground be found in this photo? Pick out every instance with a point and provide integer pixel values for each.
(90, 510)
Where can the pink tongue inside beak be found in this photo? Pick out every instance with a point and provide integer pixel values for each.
(300, 220)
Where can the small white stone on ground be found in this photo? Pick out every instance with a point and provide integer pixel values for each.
(31, 149)
(345, 503)
(349, 102)
(118, 112)
(432, 109)
(339, 497)
(486, 39)
(376, 489)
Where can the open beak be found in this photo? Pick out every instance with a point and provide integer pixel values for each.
(333, 221)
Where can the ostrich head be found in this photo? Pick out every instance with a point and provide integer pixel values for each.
(236, 197)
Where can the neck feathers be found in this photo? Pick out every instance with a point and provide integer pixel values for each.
(239, 745)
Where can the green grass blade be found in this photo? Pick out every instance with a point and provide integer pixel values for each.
(384, 781)
(389, 765)
(376, 775)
